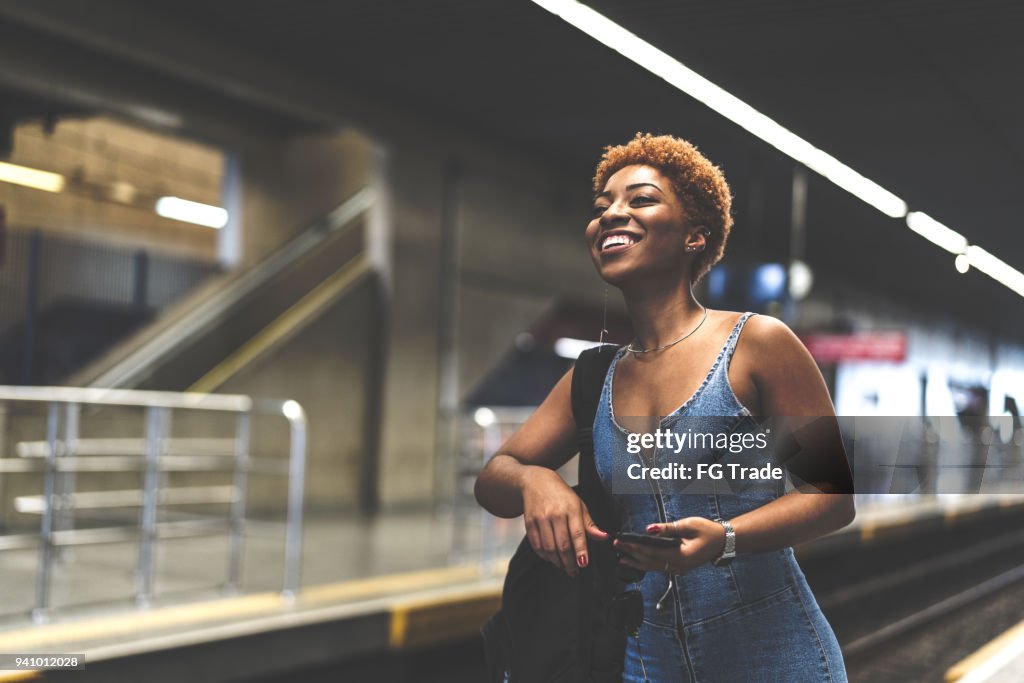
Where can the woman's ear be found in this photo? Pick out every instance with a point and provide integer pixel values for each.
(697, 239)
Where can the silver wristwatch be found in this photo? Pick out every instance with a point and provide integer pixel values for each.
(729, 551)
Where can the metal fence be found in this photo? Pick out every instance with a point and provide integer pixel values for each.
(63, 454)
(478, 535)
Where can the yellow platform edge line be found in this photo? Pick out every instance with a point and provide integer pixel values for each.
(872, 529)
(402, 612)
(27, 675)
(984, 653)
(362, 588)
(131, 623)
(399, 629)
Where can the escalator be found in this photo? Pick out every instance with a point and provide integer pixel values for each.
(217, 333)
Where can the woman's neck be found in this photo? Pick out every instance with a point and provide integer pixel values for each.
(660, 315)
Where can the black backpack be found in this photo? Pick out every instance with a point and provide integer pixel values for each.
(552, 628)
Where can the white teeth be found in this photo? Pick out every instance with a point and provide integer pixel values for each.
(616, 240)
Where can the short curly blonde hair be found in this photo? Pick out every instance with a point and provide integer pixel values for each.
(699, 184)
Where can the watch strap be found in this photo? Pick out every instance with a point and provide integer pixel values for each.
(729, 551)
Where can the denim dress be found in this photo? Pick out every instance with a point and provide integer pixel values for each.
(751, 620)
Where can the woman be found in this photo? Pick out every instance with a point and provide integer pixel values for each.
(661, 218)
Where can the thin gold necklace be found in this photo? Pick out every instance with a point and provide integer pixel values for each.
(635, 351)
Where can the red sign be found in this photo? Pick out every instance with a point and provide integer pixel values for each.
(834, 348)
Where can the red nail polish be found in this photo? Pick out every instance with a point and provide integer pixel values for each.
(654, 528)
(586, 560)
(581, 560)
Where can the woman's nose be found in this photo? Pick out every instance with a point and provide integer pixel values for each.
(614, 215)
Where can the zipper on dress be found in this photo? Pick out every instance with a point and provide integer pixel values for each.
(663, 517)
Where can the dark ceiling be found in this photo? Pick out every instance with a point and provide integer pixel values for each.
(916, 95)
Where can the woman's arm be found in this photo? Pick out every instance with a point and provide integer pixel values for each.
(788, 384)
(521, 480)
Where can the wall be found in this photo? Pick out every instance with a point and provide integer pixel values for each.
(96, 153)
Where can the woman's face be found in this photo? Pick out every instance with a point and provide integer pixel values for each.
(638, 227)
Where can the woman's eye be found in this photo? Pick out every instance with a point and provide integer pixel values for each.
(598, 210)
(643, 198)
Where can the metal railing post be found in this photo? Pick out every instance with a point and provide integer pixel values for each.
(39, 613)
(488, 539)
(241, 482)
(296, 488)
(65, 480)
(157, 420)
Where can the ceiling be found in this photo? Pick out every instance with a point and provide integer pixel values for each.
(916, 95)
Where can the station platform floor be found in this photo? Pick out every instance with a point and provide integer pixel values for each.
(368, 585)
(998, 661)
(377, 581)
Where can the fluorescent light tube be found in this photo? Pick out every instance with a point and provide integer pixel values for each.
(936, 233)
(31, 177)
(665, 66)
(180, 209)
(996, 268)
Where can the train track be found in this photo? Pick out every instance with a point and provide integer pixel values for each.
(907, 610)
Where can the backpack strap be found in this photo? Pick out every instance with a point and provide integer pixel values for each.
(587, 383)
(596, 641)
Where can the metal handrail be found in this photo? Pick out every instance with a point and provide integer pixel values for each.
(288, 323)
(211, 309)
(121, 446)
(63, 458)
(131, 463)
(94, 500)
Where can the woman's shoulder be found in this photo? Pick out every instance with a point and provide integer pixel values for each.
(760, 330)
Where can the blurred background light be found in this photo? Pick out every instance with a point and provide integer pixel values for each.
(567, 347)
(769, 282)
(291, 409)
(187, 211)
(31, 177)
(962, 263)
(801, 280)
(484, 417)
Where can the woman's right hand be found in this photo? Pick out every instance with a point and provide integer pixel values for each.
(557, 520)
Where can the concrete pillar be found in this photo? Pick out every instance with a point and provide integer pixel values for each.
(288, 184)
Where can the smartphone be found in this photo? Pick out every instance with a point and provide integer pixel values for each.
(644, 539)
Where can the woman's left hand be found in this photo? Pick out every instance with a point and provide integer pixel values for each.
(701, 540)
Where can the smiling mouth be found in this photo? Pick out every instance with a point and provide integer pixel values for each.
(617, 242)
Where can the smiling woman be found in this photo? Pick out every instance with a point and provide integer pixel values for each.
(696, 184)
(727, 601)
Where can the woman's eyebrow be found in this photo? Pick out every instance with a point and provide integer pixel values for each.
(629, 188)
(636, 185)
